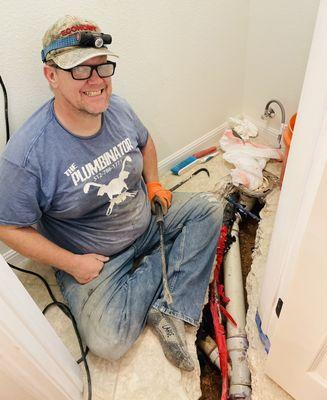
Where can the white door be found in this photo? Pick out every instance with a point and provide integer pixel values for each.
(297, 359)
(296, 271)
(34, 363)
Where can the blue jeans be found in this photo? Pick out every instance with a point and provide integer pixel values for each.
(111, 310)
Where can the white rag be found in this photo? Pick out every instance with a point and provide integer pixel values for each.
(249, 159)
(243, 127)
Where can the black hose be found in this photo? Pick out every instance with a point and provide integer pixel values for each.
(6, 108)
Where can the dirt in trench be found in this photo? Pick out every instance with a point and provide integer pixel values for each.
(210, 375)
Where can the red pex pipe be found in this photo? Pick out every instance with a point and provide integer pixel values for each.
(205, 152)
(220, 336)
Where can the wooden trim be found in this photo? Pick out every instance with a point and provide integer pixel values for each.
(209, 139)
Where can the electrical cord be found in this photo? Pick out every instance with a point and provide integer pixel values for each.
(6, 108)
(63, 307)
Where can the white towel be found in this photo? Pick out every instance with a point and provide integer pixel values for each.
(249, 159)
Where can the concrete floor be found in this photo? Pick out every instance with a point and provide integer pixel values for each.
(144, 372)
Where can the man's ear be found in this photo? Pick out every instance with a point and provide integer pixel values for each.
(51, 76)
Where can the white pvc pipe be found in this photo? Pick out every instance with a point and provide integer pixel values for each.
(237, 344)
(209, 347)
(233, 281)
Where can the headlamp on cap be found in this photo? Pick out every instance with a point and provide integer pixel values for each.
(89, 39)
(81, 39)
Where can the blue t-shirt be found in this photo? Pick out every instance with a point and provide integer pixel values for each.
(86, 194)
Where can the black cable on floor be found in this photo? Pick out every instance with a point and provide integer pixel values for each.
(63, 307)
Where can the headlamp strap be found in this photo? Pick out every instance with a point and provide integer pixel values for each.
(59, 44)
(83, 39)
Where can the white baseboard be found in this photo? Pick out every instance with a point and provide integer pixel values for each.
(266, 136)
(209, 139)
(12, 257)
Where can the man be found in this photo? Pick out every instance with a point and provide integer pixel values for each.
(77, 183)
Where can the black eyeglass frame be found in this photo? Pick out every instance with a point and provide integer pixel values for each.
(92, 67)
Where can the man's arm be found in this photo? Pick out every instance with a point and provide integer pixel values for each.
(31, 244)
(156, 191)
(150, 162)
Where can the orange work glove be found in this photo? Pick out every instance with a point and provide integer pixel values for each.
(157, 192)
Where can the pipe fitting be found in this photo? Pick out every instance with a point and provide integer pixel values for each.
(237, 347)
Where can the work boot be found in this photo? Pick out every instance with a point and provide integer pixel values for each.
(171, 333)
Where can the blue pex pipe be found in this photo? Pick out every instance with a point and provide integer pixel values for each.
(242, 209)
(264, 338)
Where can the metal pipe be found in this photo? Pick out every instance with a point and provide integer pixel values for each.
(270, 113)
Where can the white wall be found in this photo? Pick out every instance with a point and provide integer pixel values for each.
(278, 43)
(180, 61)
(185, 65)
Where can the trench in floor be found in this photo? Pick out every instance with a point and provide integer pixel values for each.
(210, 374)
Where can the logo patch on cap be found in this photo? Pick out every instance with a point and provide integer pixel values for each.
(77, 28)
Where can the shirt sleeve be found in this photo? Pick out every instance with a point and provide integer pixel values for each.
(142, 132)
(20, 195)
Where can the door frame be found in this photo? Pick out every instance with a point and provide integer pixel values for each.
(34, 363)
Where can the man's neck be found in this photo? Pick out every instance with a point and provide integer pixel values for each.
(80, 123)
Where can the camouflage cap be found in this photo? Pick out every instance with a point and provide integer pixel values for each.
(68, 57)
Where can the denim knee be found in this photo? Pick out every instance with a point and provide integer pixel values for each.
(109, 332)
(211, 207)
(107, 350)
(105, 344)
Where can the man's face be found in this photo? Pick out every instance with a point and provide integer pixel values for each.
(89, 96)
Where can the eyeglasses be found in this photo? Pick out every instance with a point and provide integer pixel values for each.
(82, 72)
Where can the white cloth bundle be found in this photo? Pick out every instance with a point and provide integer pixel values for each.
(249, 159)
(243, 127)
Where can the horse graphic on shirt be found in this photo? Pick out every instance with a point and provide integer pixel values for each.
(114, 189)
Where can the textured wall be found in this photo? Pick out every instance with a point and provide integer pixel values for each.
(181, 62)
(279, 39)
(185, 65)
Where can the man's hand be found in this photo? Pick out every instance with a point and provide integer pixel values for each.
(87, 267)
(157, 192)
(30, 243)
(150, 173)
